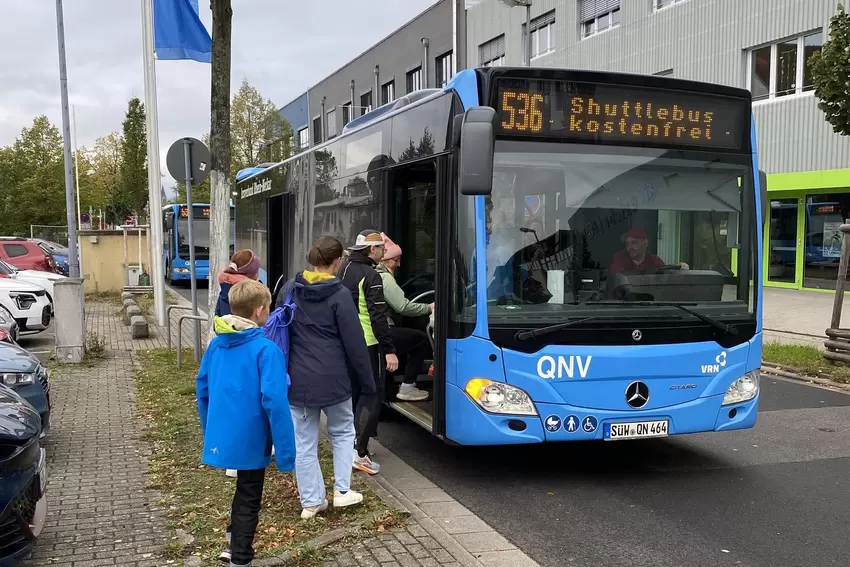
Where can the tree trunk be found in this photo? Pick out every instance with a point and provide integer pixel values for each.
(222, 14)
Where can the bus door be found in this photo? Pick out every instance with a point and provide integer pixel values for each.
(281, 220)
(414, 224)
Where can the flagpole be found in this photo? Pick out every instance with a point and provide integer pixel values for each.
(77, 176)
(154, 186)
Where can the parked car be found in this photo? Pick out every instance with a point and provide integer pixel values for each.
(23, 478)
(25, 254)
(26, 303)
(43, 279)
(59, 253)
(29, 378)
(9, 326)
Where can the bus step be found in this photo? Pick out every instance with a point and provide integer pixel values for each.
(418, 412)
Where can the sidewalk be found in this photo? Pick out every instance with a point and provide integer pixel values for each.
(797, 317)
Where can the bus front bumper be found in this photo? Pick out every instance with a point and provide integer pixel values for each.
(468, 424)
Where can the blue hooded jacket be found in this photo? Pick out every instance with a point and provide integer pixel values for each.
(326, 342)
(243, 399)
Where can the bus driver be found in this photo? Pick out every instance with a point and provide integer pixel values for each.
(636, 257)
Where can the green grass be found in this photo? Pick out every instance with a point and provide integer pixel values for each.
(197, 498)
(804, 360)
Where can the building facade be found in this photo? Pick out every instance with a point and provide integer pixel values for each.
(761, 45)
(424, 53)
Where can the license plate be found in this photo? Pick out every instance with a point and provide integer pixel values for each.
(635, 430)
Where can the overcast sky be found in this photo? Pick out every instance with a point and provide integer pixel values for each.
(282, 47)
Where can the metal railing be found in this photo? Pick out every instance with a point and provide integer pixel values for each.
(180, 342)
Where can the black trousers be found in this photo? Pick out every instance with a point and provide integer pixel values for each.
(245, 515)
(367, 408)
(412, 345)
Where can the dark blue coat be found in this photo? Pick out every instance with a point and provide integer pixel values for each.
(325, 341)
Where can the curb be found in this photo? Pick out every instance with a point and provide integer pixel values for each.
(771, 368)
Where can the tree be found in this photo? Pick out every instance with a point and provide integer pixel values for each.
(100, 171)
(222, 16)
(259, 132)
(34, 169)
(131, 195)
(830, 70)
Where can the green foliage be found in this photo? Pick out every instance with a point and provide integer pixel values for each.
(831, 73)
(255, 121)
(131, 194)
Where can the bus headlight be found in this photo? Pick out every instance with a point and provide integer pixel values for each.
(497, 397)
(743, 389)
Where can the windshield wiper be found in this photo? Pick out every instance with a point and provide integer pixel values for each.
(728, 329)
(542, 331)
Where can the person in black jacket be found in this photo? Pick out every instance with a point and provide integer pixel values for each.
(367, 288)
(325, 345)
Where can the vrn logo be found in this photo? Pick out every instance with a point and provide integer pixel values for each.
(549, 368)
(720, 359)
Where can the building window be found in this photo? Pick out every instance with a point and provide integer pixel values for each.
(444, 68)
(346, 113)
(664, 73)
(492, 53)
(388, 92)
(782, 68)
(317, 130)
(598, 15)
(414, 80)
(365, 103)
(659, 4)
(331, 120)
(303, 138)
(542, 34)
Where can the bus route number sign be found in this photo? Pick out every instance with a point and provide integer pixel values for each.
(593, 113)
(204, 212)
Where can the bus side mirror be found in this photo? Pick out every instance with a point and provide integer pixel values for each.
(763, 194)
(477, 141)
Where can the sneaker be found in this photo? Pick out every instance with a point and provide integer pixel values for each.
(366, 464)
(410, 393)
(231, 473)
(312, 511)
(350, 498)
(226, 555)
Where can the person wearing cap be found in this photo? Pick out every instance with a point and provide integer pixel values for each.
(244, 265)
(636, 256)
(413, 343)
(358, 274)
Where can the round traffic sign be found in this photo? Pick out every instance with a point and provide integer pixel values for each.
(199, 160)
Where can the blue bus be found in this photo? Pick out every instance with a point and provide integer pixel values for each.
(591, 241)
(175, 224)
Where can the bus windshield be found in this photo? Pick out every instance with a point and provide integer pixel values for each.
(570, 227)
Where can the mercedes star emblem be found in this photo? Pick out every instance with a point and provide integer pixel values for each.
(637, 335)
(637, 394)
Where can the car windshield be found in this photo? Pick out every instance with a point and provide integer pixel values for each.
(6, 269)
(570, 226)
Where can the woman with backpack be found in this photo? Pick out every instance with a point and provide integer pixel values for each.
(325, 343)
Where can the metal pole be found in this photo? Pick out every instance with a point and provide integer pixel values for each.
(154, 177)
(77, 174)
(426, 57)
(74, 258)
(187, 157)
(528, 36)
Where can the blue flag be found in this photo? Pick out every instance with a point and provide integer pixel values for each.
(179, 32)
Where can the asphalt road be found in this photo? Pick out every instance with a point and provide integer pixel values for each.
(774, 496)
(186, 293)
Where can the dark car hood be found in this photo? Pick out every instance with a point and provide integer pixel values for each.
(18, 420)
(15, 359)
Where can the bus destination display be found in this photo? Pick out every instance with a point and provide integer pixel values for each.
(593, 113)
(202, 211)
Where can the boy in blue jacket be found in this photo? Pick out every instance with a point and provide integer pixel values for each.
(244, 408)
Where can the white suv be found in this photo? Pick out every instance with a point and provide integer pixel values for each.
(27, 303)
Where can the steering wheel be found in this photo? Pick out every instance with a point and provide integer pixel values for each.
(429, 330)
